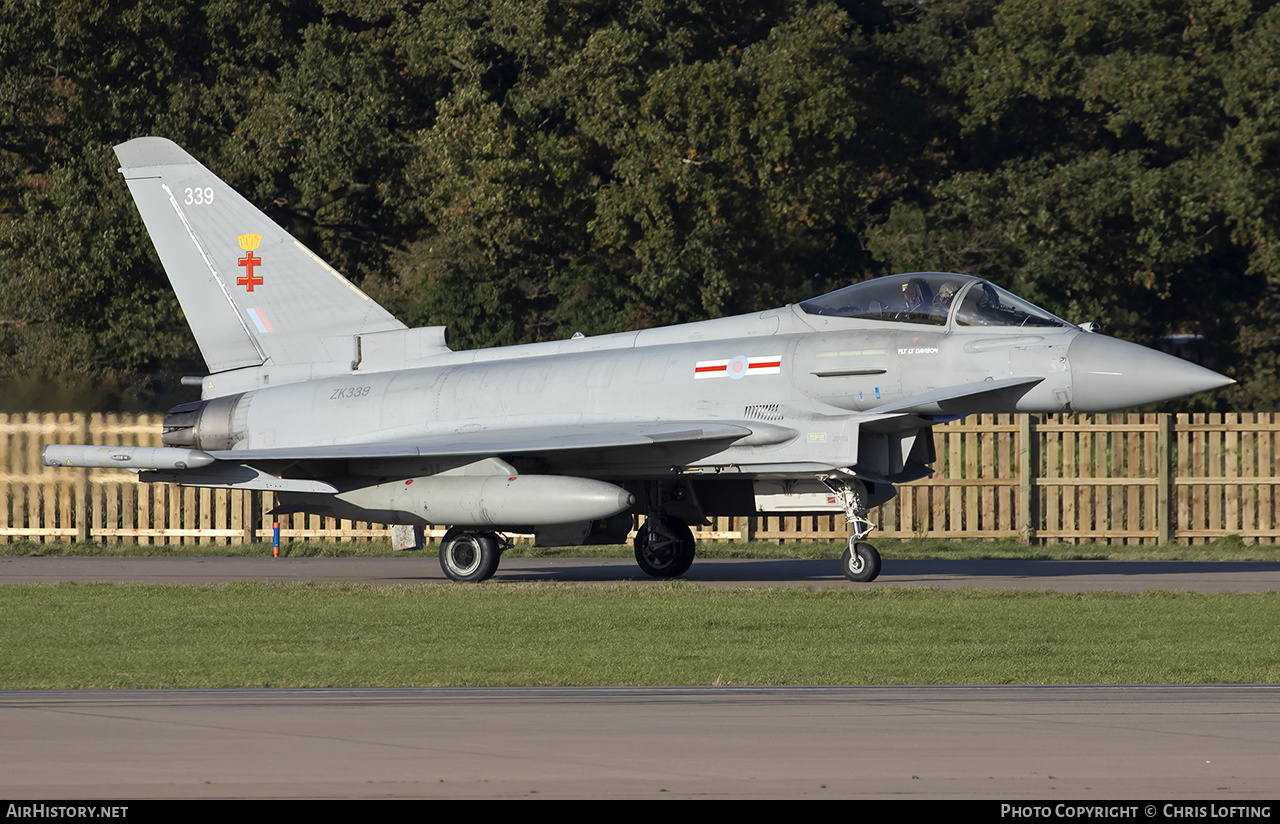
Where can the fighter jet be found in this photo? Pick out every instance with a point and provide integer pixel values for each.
(317, 394)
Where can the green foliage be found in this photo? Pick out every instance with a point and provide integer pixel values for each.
(523, 169)
(1098, 166)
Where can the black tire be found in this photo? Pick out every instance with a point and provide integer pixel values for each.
(661, 557)
(469, 557)
(861, 563)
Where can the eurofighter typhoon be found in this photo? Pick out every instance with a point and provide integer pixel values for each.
(317, 394)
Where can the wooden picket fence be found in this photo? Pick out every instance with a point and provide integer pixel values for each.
(1121, 479)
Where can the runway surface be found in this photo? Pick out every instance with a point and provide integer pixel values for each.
(1061, 576)
(1047, 743)
(1034, 743)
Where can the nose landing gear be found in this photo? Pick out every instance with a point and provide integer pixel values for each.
(861, 561)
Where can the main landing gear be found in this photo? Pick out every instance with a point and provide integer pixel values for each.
(664, 543)
(471, 556)
(664, 547)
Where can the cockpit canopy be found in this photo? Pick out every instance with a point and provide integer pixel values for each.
(930, 298)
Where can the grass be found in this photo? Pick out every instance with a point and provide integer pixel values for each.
(70, 636)
(73, 636)
(1230, 548)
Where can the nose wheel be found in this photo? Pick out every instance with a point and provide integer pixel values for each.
(861, 561)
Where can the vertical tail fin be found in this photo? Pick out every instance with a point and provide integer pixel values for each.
(252, 294)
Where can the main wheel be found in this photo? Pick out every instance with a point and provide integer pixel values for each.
(861, 562)
(469, 556)
(665, 552)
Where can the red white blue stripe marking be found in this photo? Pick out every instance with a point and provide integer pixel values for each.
(259, 319)
(738, 368)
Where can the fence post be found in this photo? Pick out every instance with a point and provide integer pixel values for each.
(1164, 479)
(1026, 478)
(249, 509)
(82, 494)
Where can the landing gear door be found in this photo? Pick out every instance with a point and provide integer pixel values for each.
(795, 496)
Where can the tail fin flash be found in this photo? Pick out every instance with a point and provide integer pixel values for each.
(252, 294)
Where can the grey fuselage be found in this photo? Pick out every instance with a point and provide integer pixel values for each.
(804, 410)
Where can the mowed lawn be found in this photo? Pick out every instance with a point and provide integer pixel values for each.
(340, 635)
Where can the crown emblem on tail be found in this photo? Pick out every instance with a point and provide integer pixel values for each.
(250, 241)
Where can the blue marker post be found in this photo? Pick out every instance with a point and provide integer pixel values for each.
(275, 539)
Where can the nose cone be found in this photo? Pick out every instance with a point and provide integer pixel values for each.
(1107, 374)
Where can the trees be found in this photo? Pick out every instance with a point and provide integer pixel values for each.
(1101, 167)
(523, 169)
(596, 167)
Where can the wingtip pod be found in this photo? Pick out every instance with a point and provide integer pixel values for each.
(124, 457)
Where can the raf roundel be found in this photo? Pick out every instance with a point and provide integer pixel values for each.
(738, 367)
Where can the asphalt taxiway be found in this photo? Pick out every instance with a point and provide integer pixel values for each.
(1060, 576)
(1046, 743)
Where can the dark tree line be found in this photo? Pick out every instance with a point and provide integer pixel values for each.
(523, 169)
